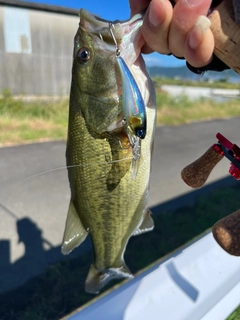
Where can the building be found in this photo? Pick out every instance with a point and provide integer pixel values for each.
(36, 45)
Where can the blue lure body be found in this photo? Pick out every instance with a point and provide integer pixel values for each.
(134, 108)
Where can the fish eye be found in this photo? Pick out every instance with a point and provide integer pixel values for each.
(83, 55)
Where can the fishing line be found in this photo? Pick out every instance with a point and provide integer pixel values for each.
(65, 167)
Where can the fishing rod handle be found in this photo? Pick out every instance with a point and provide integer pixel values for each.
(227, 233)
(197, 173)
(226, 34)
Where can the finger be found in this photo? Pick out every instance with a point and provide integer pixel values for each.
(199, 44)
(138, 6)
(156, 26)
(185, 14)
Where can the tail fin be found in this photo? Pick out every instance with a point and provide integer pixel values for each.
(96, 279)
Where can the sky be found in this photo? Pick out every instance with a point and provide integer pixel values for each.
(113, 10)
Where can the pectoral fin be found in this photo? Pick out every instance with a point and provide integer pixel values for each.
(74, 233)
(147, 224)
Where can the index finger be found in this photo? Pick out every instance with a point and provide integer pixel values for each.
(138, 6)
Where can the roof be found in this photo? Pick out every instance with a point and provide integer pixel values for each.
(39, 6)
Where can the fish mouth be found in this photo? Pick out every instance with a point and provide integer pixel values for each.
(100, 22)
(96, 25)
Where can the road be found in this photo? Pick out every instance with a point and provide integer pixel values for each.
(195, 93)
(34, 191)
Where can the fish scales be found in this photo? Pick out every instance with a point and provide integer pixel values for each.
(106, 202)
(105, 228)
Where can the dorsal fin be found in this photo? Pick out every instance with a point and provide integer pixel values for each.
(74, 233)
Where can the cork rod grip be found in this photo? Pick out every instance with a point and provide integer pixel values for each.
(226, 34)
(196, 173)
(227, 233)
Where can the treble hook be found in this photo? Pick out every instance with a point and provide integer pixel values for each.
(111, 28)
(100, 36)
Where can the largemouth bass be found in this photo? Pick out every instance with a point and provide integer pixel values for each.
(106, 202)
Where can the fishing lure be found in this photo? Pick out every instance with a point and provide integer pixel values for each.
(133, 105)
(134, 108)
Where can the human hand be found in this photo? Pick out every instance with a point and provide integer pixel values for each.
(182, 30)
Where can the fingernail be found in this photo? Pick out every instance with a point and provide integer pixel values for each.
(154, 18)
(194, 3)
(197, 33)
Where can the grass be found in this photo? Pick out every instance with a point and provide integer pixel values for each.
(180, 110)
(221, 84)
(31, 121)
(235, 315)
(43, 120)
(61, 289)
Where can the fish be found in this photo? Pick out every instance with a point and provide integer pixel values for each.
(106, 202)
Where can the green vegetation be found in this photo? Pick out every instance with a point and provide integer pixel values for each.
(235, 315)
(31, 121)
(61, 289)
(39, 120)
(221, 84)
(180, 110)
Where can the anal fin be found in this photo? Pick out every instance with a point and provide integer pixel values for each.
(74, 233)
(147, 224)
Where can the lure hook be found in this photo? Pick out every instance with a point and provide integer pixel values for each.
(111, 28)
(100, 36)
(122, 147)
